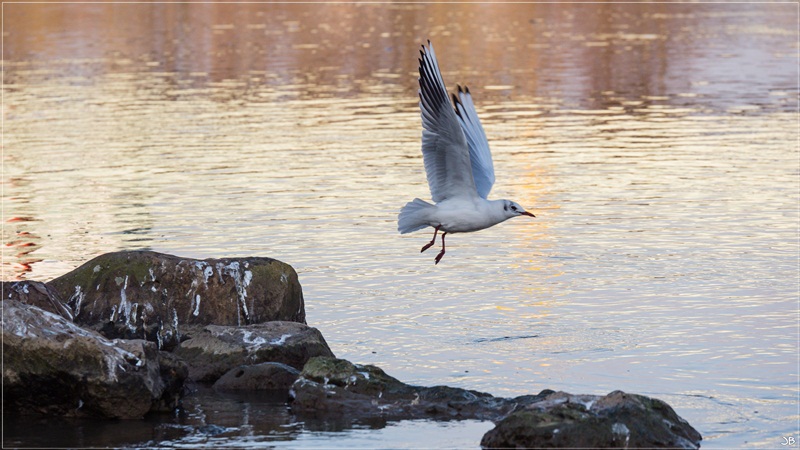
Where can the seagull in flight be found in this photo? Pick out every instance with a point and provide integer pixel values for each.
(458, 164)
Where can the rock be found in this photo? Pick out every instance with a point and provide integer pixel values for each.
(37, 294)
(590, 421)
(216, 349)
(149, 295)
(330, 386)
(264, 376)
(52, 366)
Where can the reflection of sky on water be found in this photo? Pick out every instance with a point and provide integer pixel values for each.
(578, 55)
(655, 143)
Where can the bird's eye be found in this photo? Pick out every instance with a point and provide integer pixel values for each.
(513, 208)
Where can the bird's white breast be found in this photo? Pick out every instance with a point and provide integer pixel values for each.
(462, 215)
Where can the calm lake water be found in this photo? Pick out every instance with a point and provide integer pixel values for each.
(657, 145)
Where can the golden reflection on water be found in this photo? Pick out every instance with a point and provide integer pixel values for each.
(656, 144)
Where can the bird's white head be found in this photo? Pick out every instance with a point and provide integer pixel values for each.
(513, 209)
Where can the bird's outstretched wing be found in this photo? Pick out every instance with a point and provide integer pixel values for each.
(479, 154)
(444, 146)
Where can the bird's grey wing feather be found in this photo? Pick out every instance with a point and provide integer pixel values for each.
(479, 154)
(444, 146)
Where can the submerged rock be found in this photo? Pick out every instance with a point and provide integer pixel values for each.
(590, 421)
(330, 387)
(149, 295)
(214, 350)
(37, 294)
(52, 366)
(259, 377)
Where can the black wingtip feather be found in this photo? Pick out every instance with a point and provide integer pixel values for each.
(456, 102)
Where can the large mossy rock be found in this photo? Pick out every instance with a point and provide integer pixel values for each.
(149, 295)
(51, 366)
(589, 421)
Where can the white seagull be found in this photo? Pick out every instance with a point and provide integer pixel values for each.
(458, 163)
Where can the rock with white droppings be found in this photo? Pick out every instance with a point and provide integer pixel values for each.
(615, 420)
(338, 388)
(172, 292)
(213, 350)
(37, 294)
(52, 366)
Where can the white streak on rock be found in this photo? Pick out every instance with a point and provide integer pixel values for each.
(196, 306)
(240, 281)
(246, 338)
(621, 430)
(281, 340)
(78, 297)
(124, 306)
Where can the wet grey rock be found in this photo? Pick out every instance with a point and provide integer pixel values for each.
(330, 387)
(52, 366)
(590, 421)
(214, 350)
(257, 377)
(37, 294)
(149, 295)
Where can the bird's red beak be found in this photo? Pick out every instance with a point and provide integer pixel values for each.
(526, 213)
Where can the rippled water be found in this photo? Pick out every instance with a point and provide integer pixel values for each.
(657, 145)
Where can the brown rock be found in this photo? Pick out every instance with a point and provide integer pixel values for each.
(37, 294)
(331, 387)
(216, 349)
(149, 295)
(590, 421)
(52, 366)
(258, 377)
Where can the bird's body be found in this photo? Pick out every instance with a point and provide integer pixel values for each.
(462, 214)
(458, 164)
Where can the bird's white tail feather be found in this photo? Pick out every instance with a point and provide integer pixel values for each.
(413, 216)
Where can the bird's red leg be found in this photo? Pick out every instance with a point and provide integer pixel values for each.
(433, 241)
(441, 253)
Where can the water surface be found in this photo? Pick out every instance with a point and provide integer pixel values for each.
(657, 145)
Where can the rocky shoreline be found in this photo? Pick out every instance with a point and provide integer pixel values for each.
(126, 333)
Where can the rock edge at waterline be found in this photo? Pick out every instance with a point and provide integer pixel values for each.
(330, 387)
